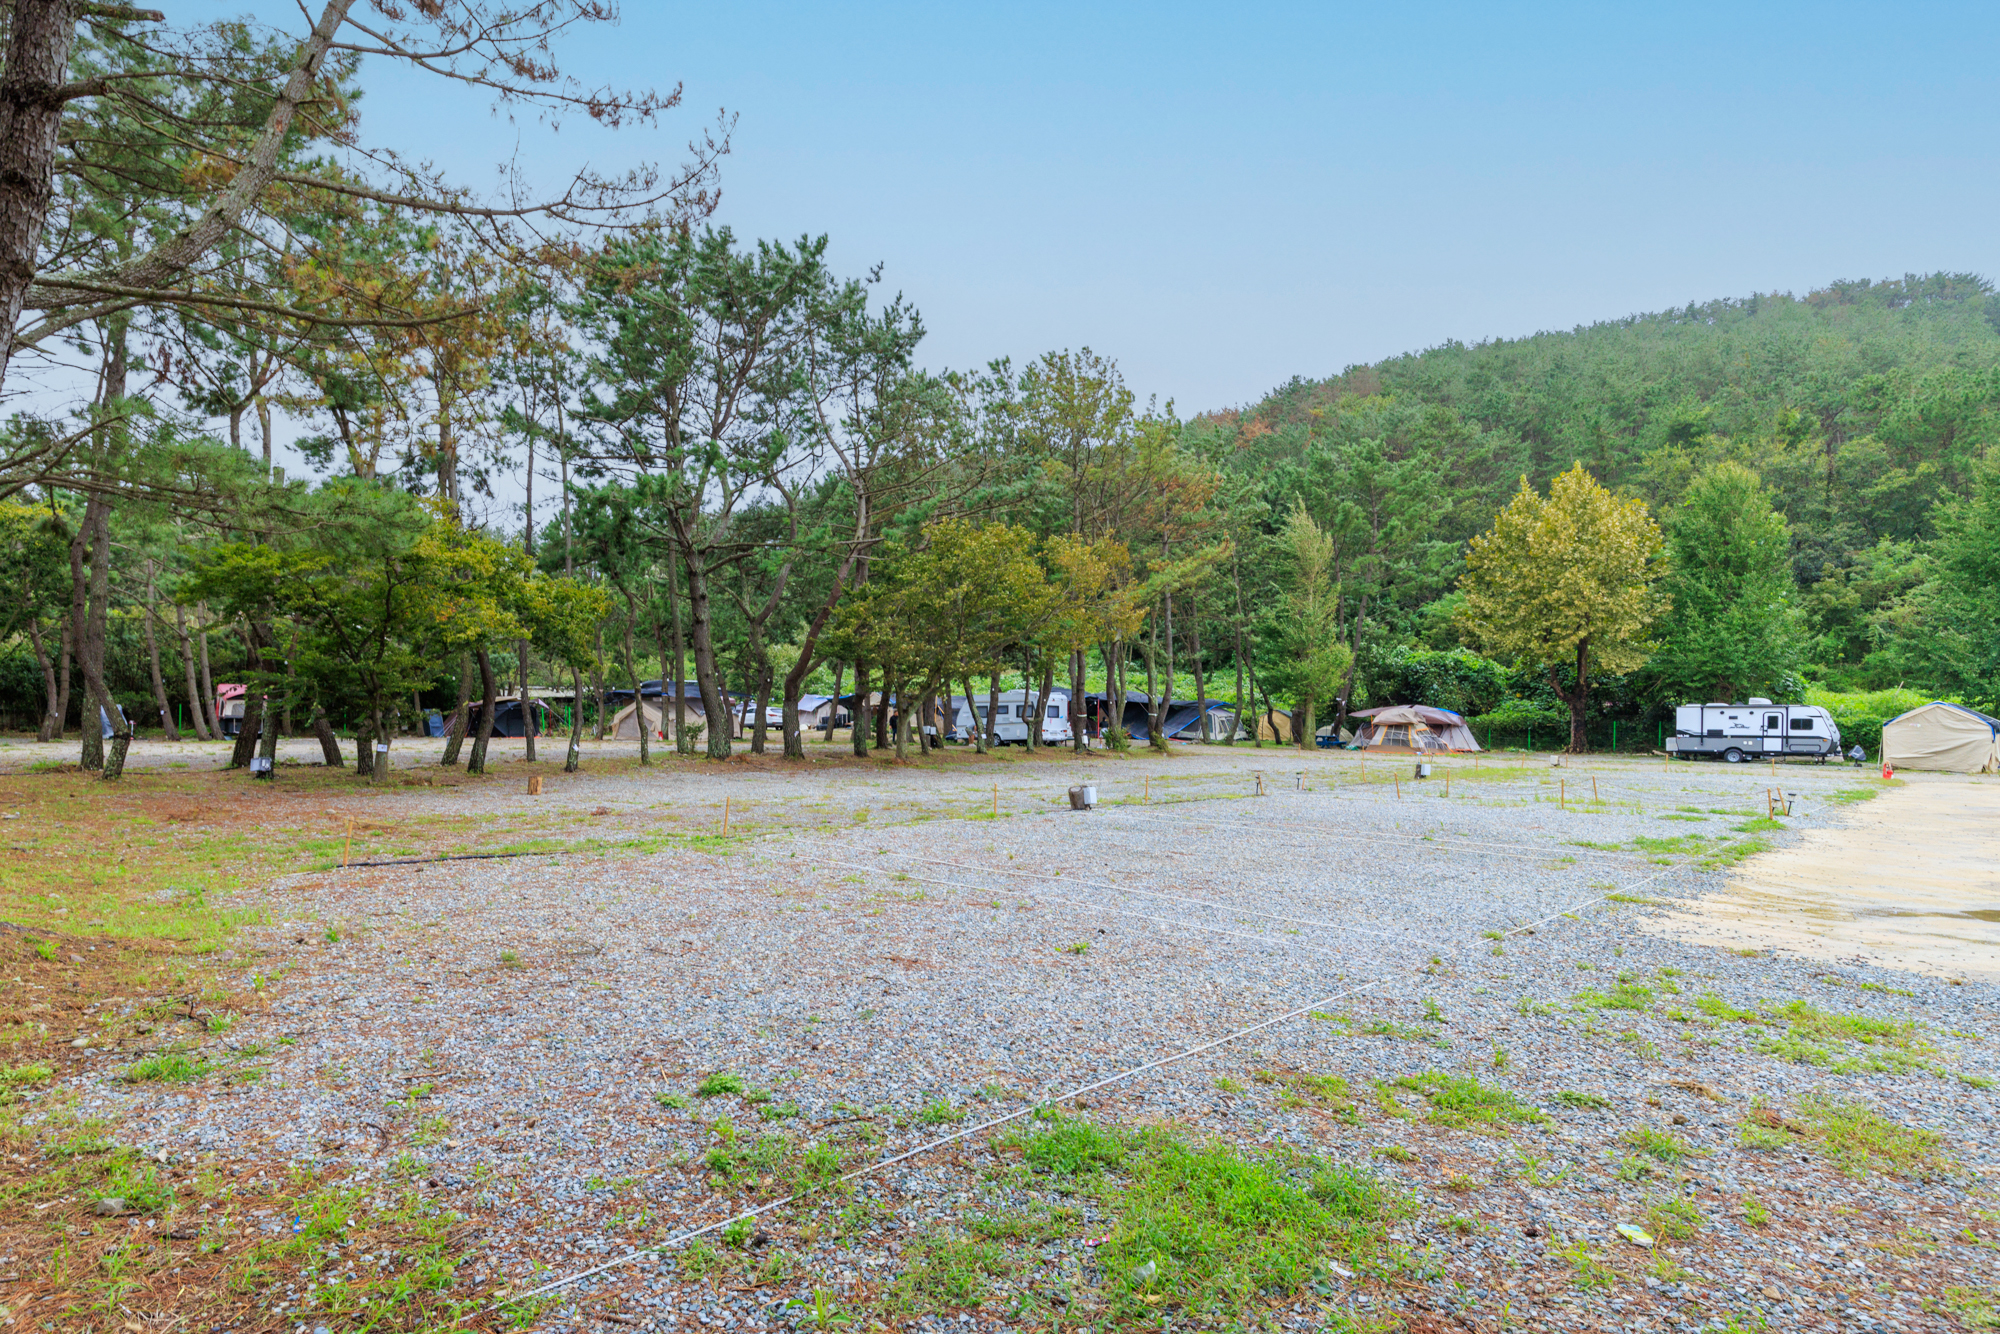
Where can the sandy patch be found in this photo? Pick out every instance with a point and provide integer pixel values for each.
(1910, 879)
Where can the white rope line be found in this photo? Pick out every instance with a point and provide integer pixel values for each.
(1463, 845)
(1134, 889)
(1126, 912)
(1006, 1118)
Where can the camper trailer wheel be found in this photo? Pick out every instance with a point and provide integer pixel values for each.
(1733, 755)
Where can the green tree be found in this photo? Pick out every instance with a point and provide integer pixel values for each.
(1567, 581)
(1735, 628)
(1316, 661)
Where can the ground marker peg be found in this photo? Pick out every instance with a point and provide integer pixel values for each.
(725, 817)
(1593, 787)
(535, 786)
(996, 799)
(1562, 797)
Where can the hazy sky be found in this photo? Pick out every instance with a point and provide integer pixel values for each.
(1222, 197)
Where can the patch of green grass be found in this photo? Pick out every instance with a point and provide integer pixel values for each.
(1589, 1267)
(947, 1273)
(1721, 1010)
(1395, 1153)
(1856, 1139)
(1755, 1212)
(1819, 1037)
(1223, 1228)
(1595, 1102)
(940, 1112)
(719, 1084)
(698, 1259)
(171, 1067)
(1674, 1217)
(672, 1100)
(1639, 899)
(1625, 996)
(1658, 1145)
(1463, 1103)
(1974, 1308)
(1080, 947)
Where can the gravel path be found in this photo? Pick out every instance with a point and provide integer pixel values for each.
(879, 954)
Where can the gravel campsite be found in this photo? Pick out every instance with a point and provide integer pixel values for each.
(1264, 1040)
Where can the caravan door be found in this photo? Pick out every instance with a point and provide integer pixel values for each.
(1772, 730)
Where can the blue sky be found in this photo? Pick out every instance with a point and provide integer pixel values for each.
(1222, 197)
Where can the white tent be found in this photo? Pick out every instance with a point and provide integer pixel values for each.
(1948, 738)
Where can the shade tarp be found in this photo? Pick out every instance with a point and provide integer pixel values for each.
(1946, 738)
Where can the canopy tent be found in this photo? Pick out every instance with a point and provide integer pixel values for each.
(508, 719)
(1948, 738)
(1448, 729)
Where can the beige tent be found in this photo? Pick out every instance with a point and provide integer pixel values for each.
(625, 725)
(1447, 728)
(1948, 738)
(1400, 729)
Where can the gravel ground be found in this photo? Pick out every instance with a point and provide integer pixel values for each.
(873, 942)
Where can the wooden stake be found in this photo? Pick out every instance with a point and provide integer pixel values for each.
(1562, 798)
(1593, 787)
(725, 817)
(1149, 794)
(996, 799)
(348, 843)
(1447, 782)
(1260, 785)
(1399, 787)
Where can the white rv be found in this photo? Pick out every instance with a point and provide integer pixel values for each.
(1010, 724)
(1752, 731)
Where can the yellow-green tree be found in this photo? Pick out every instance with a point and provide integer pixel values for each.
(1567, 581)
(1317, 660)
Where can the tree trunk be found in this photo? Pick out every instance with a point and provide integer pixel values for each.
(454, 736)
(574, 759)
(380, 773)
(882, 714)
(364, 751)
(598, 684)
(40, 36)
(1577, 699)
(1305, 732)
(1200, 683)
(527, 707)
(329, 744)
(208, 705)
(992, 723)
(833, 707)
(1030, 705)
(91, 638)
(701, 626)
(1167, 698)
(857, 717)
(683, 744)
(763, 702)
(64, 658)
(267, 746)
(167, 725)
(52, 709)
(978, 733)
(195, 712)
(1156, 715)
(638, 695)
(489, 704)
(1076, 735)
(902, 731)
(246, 731)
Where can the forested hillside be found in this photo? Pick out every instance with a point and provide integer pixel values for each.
(659, 451)
(1866, 409)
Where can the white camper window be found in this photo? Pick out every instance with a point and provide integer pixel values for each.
(1802, 724)
(1772, 722)
(1055, 710)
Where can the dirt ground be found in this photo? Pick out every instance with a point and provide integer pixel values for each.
(271, 1065)
(1911, 880)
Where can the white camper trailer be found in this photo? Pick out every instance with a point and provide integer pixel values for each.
(1739, 732)
(1010, 724)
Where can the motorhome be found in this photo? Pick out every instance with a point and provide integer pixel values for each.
(1010, 719)
(1752, 731)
